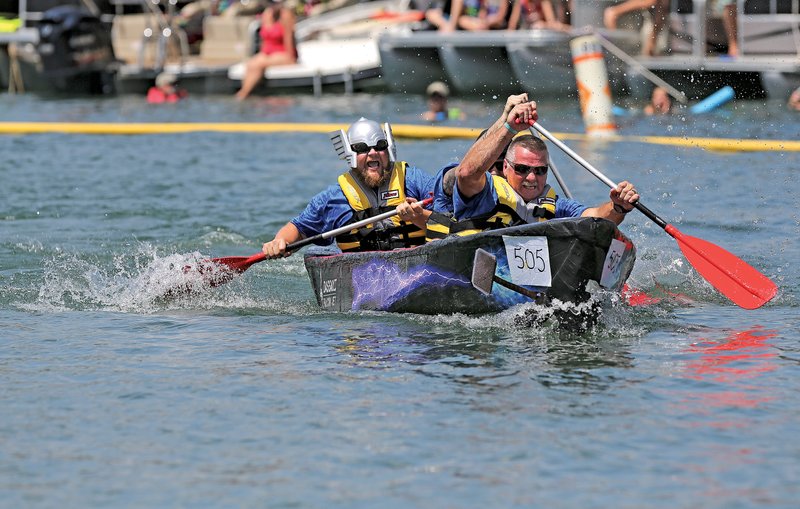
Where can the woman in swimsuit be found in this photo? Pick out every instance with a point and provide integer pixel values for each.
(277, 46)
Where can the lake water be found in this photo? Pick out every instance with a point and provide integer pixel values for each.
(249, 396)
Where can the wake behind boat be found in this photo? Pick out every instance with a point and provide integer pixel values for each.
(534, 262)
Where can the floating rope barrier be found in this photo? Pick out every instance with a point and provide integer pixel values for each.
(400, 130)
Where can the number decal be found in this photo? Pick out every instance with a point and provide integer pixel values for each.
(612, 266)
(528, 260)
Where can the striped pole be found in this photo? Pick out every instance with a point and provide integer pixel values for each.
(593, 89)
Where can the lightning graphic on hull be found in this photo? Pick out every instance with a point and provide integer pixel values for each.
(384, 283)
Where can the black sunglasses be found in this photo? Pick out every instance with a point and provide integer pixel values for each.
(523, 169)
(363, 148)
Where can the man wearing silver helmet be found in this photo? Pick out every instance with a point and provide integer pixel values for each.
(375, 183)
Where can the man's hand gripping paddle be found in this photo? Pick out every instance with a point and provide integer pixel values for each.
(732, 276)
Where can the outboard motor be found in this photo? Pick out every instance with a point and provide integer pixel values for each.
(76, 51)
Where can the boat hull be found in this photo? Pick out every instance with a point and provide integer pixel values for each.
(436, 278)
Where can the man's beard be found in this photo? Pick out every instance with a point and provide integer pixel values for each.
(372, 180)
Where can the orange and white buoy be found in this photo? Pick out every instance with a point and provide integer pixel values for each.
(593, 88)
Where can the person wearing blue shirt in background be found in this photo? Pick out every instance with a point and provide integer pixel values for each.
(375, 183)
(482, 201)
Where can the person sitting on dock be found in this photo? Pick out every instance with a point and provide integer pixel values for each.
(728, 11)
(480, 15)
(277, 46)
(375, 183)
(165, 90)
(528, 14)
(481, 201)
(660, 9)
(660, 103)
(438, 111)
(443, 14)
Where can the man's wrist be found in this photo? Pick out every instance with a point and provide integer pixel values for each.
(510, 129)
(620, 210)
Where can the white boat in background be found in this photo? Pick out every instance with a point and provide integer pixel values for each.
(488, 63)
(337, 51)
(320, 66)
(540, 62)
(379, 45)
(768, 63)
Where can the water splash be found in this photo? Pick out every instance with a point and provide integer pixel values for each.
(143, 281)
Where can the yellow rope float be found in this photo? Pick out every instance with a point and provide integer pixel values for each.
(400, 130)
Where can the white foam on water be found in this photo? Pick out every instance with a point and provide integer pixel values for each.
(531, 321)
(141, 282)
(31, 246)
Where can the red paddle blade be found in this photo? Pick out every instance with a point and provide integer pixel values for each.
(218, 271)
(732, 276)
(235, 263)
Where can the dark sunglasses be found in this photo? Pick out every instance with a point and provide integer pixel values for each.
(363, 148)
(523, 169)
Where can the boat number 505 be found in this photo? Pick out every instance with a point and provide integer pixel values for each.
(528, 260)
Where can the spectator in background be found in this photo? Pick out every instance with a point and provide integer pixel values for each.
(527, 14)
(726, 9)
(443, 14)
(277, 46)
(438, 110)
(794, 100)
(165, 90)
(481, 15)
(660, 10)
(660, 103)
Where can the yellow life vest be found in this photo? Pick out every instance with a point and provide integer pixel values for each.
(511, 210)
(438, 225)
(366, 202)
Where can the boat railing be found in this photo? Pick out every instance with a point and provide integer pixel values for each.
(764, 27)
(153, 29)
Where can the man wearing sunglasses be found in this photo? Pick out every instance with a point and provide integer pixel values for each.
(441, 219)
(375, 183)
(482, 201)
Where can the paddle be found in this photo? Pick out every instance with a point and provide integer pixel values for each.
(222, 270)
(732, 276)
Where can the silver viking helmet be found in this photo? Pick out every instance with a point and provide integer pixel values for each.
(362, 131)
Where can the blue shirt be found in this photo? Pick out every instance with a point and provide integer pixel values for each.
(330, 209)
(485, 201)
(442, 202)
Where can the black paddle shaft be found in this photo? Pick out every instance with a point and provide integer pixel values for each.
(594, 171)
